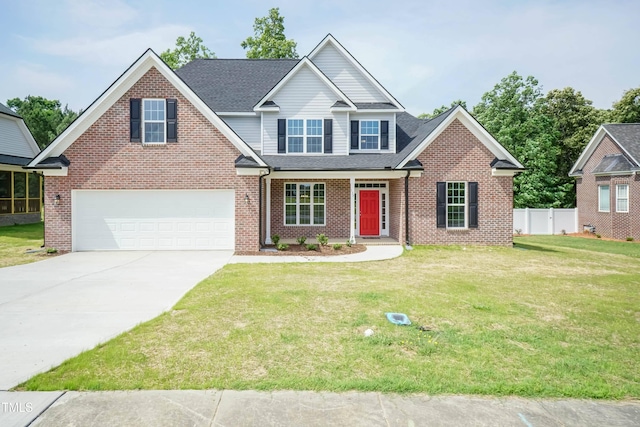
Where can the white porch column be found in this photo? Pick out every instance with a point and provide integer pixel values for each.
(352, 217)
(267, 230)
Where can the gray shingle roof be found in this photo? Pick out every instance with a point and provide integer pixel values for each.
(628, 135)
(13, 160)
(8, 111)
(234, 85)
(613, 163)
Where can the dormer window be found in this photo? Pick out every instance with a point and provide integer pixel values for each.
(304, 136)
(369, 134)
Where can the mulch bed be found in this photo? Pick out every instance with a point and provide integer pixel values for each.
(300, 250)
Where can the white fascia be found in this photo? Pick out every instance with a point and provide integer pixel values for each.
(114, 92)
(474, 127)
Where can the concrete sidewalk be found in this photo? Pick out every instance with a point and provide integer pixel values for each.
(293, 408)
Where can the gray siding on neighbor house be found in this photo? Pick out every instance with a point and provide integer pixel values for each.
(391, 117)
(305, 96)
(247, 128)
(12, 140)
(347, 77)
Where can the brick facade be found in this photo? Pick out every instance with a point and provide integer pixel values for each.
(457, 155)
(103, 158)
(612, 224)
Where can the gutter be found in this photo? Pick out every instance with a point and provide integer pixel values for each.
(260, 242)
(406, 211)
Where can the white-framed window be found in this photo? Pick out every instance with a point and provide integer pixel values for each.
(622, 198)
(304, 135)
(304, 203)
(456, 205)
(369, 134)
(604, 198)
(153, 121)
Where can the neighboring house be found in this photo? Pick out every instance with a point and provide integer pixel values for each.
(20, 191)
(607, 181)
(223, 154)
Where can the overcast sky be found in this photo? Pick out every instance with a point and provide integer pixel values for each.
(426, 53)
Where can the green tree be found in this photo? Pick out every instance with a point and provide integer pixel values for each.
(576, 120)
(186, 51)
(442, 109)
(627, 109)
(512, 113)
(269, 40)
(44, 117)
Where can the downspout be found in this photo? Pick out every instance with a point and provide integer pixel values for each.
(260, 242)
(406, 211)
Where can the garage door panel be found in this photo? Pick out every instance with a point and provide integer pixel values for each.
(150, 220)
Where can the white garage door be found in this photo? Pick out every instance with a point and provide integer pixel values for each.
(153, 220)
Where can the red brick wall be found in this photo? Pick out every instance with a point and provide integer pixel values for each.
(617, 225)
(103, 158)
(337, 216)
(457, 155)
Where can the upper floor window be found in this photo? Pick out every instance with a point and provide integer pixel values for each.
(622, 198)
(304, 136)
(153, 120)
(603, 198)
(369, 134)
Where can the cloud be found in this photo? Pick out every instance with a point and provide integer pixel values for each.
(100, 13)
(33, 79)
(118, 50)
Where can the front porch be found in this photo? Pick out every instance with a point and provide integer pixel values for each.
(367, 211)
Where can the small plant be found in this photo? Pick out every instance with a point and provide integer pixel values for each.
(301, 240)
(282, 246)
(322, 239)
(348, 243)
(52, 251)
(598, 236)
(336, 246)
(275, 239)
(629, 239)
(518, 231)
(312, 247)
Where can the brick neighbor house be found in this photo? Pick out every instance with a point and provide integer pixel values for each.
(607, 181)
(223, 154)
(20, 191)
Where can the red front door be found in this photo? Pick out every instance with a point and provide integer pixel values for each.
(369, 213)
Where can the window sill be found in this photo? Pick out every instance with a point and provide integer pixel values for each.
(455, 229)
(151, 144)
(305, 225)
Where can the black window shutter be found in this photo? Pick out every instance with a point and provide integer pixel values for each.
(172, 120)
(328, 135)
(442, 204)
(282, 135)
(135, 105)
(473, 205)
(355, 134)
(384, 134)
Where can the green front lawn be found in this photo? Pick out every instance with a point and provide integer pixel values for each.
(553, 316)
(16, 240)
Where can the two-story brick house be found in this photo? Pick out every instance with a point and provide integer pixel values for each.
(223, 154)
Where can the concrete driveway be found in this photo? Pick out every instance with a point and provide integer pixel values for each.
(54, 309)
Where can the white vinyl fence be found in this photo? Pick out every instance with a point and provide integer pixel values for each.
(545, 221)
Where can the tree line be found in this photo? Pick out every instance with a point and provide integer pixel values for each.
(546, 133)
